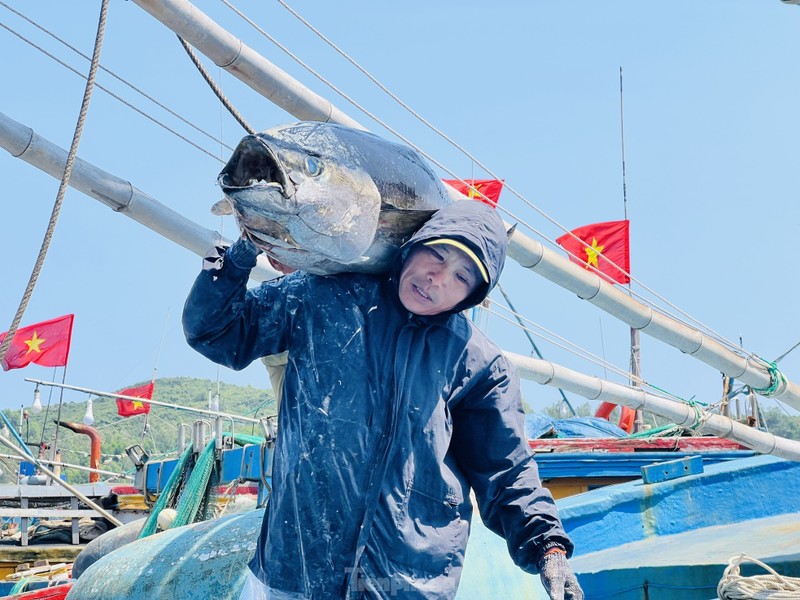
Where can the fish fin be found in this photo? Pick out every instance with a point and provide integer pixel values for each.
(402, 217)
(222, 208)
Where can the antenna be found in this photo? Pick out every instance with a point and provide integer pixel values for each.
(636, 371)
(622, 142)
(146, 425)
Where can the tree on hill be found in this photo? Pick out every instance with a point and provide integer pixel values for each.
(117, 433)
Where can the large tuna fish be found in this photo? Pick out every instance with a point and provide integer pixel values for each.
(326, 198)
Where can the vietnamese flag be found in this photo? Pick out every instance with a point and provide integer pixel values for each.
(45, 344)
(601, 247)
(129, 408)
(485, 190)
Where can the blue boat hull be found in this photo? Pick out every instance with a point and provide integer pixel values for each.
(209, 560)
(672, 540)
(204, 560)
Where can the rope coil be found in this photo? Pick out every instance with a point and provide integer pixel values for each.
(777, 380)
(733, 586)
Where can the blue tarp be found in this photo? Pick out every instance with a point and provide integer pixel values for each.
(542, 426)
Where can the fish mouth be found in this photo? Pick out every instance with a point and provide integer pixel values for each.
(254, 165)
(274, 237)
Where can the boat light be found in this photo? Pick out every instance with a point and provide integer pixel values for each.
(37, 401)
(88, 418)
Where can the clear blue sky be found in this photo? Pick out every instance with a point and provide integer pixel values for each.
(531, 88)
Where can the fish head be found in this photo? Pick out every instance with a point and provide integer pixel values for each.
(300, 200)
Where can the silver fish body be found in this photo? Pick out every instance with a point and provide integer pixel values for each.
(325, 198)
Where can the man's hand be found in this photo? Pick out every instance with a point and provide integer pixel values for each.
(557, 577)
(212, 261)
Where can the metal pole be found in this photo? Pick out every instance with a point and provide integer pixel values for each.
(225, 50)
(588, 286)
(636, 368)
(144, 400)
(118, 194)
(593, 388)
(241, 61)
(534, 256)
(62, 483)
(71, 466)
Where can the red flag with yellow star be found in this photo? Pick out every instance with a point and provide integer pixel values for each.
(485, 190)
(129, 408)
(601, 247)
(45, 344)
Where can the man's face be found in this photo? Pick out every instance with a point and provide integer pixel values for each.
(437, 278)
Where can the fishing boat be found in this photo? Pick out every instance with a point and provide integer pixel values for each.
(240, 60)
(58, 523)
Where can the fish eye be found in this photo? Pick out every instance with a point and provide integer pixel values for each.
(313, 166)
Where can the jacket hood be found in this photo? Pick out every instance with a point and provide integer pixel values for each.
(479, 227)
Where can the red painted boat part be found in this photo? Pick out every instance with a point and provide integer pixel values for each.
(626, 418)
(94, 453)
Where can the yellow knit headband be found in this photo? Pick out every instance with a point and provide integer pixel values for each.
(466, 250)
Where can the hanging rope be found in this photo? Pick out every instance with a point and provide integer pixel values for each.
(733, 586)
(73, 151)
(215, 88)
(458, 147)
(112, 74)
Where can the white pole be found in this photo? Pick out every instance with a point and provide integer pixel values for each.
(241, 61)
(229, 52)
(118, 194)
(199, 411)
(71, 466)
(594, 388)
(61, 482)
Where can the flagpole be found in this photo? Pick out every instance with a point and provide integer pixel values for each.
(145, 427)
(47, 410)
(635, 366)
(58, 419)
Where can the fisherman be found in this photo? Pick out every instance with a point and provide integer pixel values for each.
(394, 407)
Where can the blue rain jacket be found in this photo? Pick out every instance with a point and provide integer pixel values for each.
(388, 419)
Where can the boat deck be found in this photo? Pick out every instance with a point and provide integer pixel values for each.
(690, 564)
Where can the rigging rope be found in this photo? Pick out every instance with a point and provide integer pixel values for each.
(115, 96)
(576, 350)
(458, 147)
(87, 95)
(733, 586)
(215, 88)
(110, 72)
(249, 129)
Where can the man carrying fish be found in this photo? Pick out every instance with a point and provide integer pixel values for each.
(394, 407)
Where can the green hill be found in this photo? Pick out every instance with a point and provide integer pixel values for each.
(117, 433)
